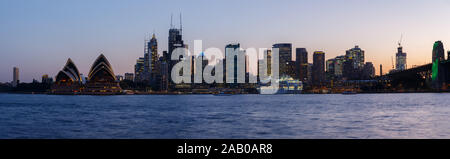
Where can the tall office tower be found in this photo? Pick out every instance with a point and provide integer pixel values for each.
(16, 80)
(139, 70)
(150, 58)
(368, 71)
(339, 66)
(152, 51)
(381, 70)
(269, 62)
(175, 41)
(192, 64)
(357, 55)
(164, 76)
(438, 51)
(163, 67)
(335, 67)
(145, 74)
(400, 59)
(349, 71)
(129, 76)
(309, 72)
(438, 55)
(301, 63)
(285, 58)
(330, 68)
(237, 47)
(264, 68)
(318, 69)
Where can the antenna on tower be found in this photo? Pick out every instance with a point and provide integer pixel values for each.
(181, 25)
(171, 21)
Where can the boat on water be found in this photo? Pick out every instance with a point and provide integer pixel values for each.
(349, 93)
(285, 85)
(223, 93)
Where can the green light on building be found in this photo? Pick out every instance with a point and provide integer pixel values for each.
(434, 70)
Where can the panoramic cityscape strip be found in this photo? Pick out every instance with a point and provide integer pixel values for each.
(209, 71)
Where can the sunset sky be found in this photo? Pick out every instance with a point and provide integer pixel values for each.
(38, 36)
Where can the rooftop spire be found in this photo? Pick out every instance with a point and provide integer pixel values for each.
(153, 35)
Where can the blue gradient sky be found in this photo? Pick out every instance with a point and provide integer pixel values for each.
(39, 35)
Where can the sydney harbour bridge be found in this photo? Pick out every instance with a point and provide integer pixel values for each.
(433, 76)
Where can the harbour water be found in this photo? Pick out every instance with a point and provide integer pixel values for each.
(333, 116)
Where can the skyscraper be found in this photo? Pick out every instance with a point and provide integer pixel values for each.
(15, 81)
(438, 55)
(357, 55)
(301, 63)
(309, 72)
(349, 71)
(330, 68)
(438, 51)
(175, 41)
(152, 50)
(266, 69)
(368, 71)
(139, 69)
(381, 70)
(285, 58)
(146, 65)
(335, 67)
(339, 66)
(145, 73)
(163, 79)
(318, 69)
(400, 59)
(235, 46)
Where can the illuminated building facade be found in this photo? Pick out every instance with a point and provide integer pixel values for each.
(400, 59)
(356, 54)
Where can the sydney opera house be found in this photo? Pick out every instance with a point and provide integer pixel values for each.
(100, 81)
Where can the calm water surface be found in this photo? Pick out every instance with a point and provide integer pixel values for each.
(239, 116)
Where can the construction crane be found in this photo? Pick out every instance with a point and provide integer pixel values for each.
(392, 59)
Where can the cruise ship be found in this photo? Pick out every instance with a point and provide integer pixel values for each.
(286, 85)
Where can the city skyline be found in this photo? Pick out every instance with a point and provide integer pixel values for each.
(43, 36)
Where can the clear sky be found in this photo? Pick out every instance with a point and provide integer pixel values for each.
(39, 35)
